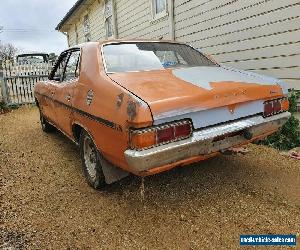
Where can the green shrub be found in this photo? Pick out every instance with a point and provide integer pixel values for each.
(3, 107)
(288, 137)
(293, 96)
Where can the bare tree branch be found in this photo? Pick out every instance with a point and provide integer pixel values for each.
(7, 51)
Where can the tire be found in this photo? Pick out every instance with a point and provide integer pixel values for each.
(90, 158)
(46, 126)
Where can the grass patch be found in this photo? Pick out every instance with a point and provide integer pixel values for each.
(3, 107)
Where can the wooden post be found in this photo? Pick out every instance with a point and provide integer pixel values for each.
(4, 90)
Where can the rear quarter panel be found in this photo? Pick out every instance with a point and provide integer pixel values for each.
(113, 109)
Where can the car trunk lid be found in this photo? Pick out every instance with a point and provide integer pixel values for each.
(178, 93)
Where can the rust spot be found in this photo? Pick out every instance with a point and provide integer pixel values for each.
(118, 128)
(131, 110)
(140, 103)
(120, 98)
(232, 108)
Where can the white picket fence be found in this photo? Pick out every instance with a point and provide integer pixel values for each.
(17, 86)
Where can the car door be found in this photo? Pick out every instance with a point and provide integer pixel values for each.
(54, 78)
(45, 100)
(64, 92)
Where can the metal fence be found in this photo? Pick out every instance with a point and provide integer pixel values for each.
(18, 81)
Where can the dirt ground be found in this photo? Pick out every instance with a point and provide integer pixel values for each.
(46, 203)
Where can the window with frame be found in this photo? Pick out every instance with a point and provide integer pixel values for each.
(72, 67)
(159, 8)
(86, 28)
(58, 71)
(108, 14)
(146, 56)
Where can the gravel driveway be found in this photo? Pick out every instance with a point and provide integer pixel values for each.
(46, 203)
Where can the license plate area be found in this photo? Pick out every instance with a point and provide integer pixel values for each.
(223, 137)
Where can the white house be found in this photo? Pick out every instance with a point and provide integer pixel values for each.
(257, 35)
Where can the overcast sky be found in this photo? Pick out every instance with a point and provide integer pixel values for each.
(37, 19)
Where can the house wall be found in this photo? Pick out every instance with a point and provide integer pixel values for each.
(257, 35)
(96, 18)
(134, 20)
(72, 36)
(96, 15)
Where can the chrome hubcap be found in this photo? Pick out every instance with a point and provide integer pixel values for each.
(90, 157)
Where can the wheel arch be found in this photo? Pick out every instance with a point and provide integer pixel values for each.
(76, 130)
(37, 102)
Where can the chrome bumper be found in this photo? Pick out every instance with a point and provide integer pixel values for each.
(203, 142)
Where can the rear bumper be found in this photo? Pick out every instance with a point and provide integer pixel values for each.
(205, 142)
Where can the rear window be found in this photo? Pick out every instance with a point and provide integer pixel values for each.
(143, 56)
(31, 59)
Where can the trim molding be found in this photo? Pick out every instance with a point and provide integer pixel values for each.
(101, 120)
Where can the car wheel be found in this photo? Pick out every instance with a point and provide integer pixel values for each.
(46, 126)
(90, 158)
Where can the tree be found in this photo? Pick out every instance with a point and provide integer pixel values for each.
(7, 51)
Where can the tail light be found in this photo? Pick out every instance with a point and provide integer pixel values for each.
(159, 135)
(273, 107)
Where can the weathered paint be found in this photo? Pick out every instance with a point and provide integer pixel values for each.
(199, 93)
(120, 98)
(124, 100)
(131, 110)
(204, 76)
(205, 118)
(105, 121)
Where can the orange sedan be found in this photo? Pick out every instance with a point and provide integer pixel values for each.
(144, 107)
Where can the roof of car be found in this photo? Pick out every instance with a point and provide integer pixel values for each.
(115, 41)
(136, 41)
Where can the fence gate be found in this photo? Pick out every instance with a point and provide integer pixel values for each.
(18, 81)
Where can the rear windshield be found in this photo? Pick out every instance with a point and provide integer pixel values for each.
(126, 57)
(30, 59)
